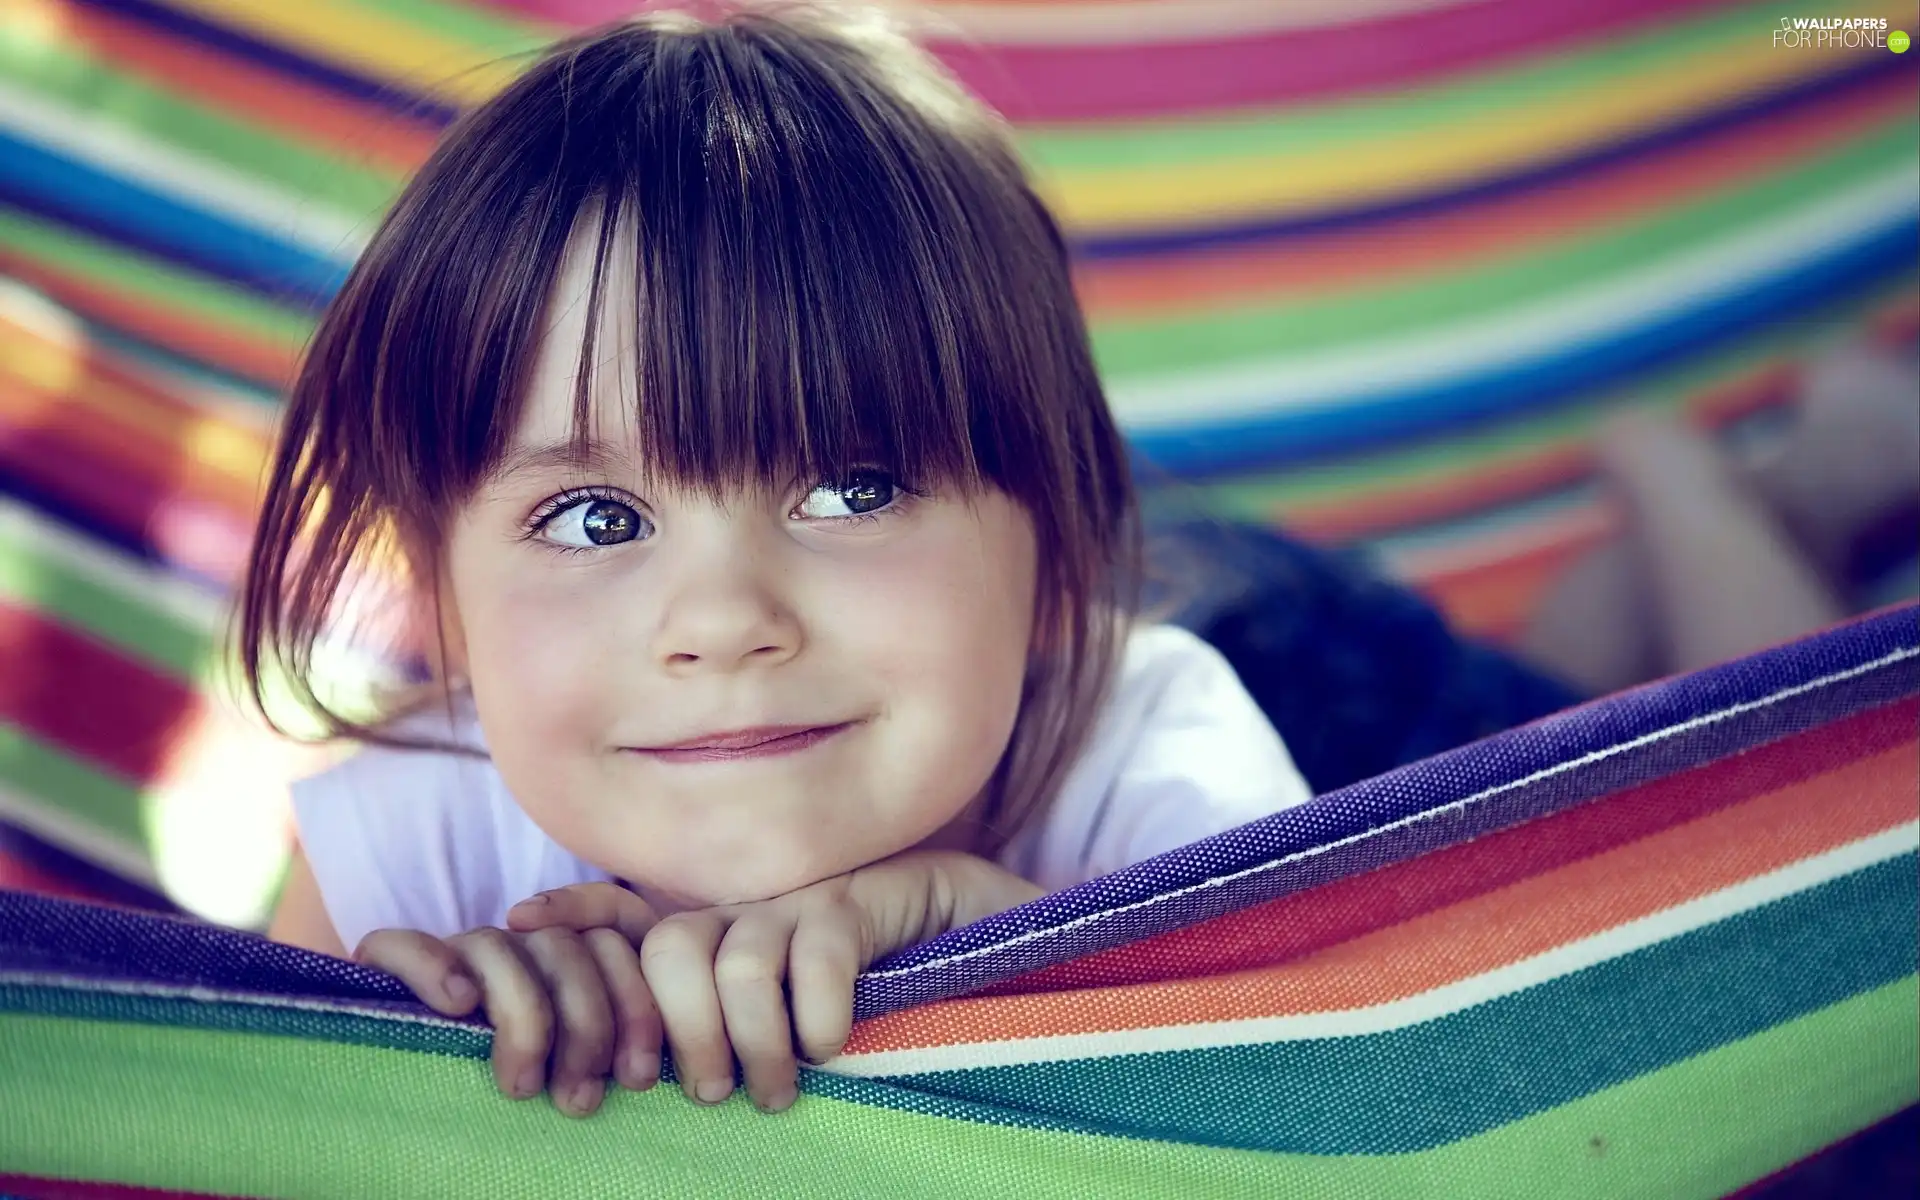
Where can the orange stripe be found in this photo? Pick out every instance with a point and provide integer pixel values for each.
(238, 88)
(1162, 287)
(167, 459)
(96, 407)
(1551, 909)
(241, 353)
(1496, 600)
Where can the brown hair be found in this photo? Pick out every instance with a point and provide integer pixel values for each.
(840, 261)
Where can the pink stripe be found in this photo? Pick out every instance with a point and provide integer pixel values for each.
(1043, 83)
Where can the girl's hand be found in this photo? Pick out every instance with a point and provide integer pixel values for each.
(756, 981)
(575, 997)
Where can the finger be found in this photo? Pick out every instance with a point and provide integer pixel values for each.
(749, 970)
(825, 958)
(427, 965)
(677, 960)
(583, 1019)
(636, 1055)
(585, 906)
(518, 1006)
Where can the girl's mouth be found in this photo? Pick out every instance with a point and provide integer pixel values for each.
(765, 741)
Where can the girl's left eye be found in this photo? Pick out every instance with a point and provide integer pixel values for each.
(857, 494)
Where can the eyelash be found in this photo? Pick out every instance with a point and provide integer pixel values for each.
(555, 505)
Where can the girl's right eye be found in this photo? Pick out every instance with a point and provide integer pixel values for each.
(591, 522)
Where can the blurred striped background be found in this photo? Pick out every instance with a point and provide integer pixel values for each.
(1367, 268)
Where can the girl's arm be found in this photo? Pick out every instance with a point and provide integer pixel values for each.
(301, 919)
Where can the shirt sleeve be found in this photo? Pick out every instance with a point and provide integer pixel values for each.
(1181, 753)
(385, 845)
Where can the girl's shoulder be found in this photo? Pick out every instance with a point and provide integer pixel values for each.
(420, 832)
(1180, 752)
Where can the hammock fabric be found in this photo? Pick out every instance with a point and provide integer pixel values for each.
(1661, 945)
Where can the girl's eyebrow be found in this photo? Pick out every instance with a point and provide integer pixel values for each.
(592, 457)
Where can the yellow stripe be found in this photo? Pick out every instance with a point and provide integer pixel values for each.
(1431, 159)
(55, 378)
(361, 38)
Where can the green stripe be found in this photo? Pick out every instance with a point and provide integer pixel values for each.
(200, 298)
(1344, 125)
(69, 79)
(1496, 1062)
(108, 808)
(1258, 496)
(1315, 324)
(45, 584)
(235, 1113)
(468, 24)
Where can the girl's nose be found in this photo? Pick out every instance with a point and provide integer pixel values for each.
(723, 614)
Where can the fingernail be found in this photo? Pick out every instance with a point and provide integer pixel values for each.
(533, 901)
(460, 990)
(641, 1070)
(583, 1097)
(531, 1081)
(712, 1091)
(779, 1102)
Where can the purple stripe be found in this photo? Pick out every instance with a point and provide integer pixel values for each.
(43, 935)
(276, 57)
(1123, 244)
(1076, 922)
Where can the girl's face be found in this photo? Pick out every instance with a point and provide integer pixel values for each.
(724, 701)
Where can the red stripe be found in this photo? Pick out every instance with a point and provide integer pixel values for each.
(1042, 83)
(227, 82)
(235, 350)
(1262, 69)
(62, 687)
(1300, 924)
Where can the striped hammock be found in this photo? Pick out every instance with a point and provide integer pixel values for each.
(1661, 945)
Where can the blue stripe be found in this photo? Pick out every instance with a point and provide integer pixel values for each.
(1205, 447)
(78, 194)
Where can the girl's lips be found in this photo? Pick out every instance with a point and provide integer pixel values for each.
(766, 741)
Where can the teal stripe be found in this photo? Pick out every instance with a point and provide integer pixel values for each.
(241, 1016)
(1443, 1080)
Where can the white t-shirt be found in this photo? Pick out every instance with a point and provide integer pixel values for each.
(432, 840)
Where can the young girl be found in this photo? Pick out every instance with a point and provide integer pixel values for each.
(722, 385)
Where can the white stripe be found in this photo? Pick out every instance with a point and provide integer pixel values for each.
(200, 183)
(1412, 1010)
(1445, 810)
(1674, 285)
(81, 838)
(1127, 22)
(139, 582)
(207, 995)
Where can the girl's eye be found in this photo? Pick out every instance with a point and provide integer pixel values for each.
(591, 521)
(860, 492)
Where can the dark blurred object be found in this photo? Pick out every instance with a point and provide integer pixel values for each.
(1358, 673)
(1883, 1161)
